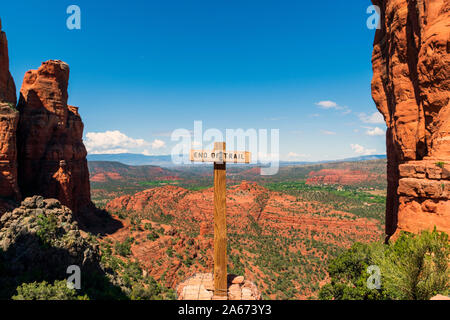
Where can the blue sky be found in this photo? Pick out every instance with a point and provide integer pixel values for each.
(142, 69)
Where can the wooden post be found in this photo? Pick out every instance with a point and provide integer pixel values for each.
(220, 156)
(220, 225)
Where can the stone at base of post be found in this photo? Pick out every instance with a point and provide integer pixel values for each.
(201, 287)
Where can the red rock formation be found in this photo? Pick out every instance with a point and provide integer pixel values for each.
(41, 148)
(189, 227)
(339, 176)
(51, 154)
(7, 86)
(410, 87)
(9, 118)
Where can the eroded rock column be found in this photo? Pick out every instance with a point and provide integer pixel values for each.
(411, 88)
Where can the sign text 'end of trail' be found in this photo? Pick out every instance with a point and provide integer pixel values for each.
(220, 156)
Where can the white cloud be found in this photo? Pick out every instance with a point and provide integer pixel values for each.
(293, 155)
(346, 111)
(328, 133)
(375, 132)
(111, 142)
(375, 118)
(362, 150)
(158, 144)
(327, 104)
(109, 151)
(114, 141)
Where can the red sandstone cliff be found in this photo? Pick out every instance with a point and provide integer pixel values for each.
(41, 147)
(51, 154)
(7, 86)
(9, 118)
(339, 176)
(410, 87)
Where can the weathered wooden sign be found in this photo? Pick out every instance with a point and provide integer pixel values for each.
(220, 157)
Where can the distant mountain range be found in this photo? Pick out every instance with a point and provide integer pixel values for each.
(135, 159)
(360, 158)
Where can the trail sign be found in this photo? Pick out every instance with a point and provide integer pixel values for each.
(217, 155)
(220, 157)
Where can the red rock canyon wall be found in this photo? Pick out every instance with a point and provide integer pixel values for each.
(411, 86)
(52, 156)
(41, 147)
(9, 118)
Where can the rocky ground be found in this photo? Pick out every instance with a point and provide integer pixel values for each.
(39, 240)
(201, 287)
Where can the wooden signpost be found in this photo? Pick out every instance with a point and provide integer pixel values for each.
(220, 157)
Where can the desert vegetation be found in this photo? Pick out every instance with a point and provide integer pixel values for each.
(414, 267)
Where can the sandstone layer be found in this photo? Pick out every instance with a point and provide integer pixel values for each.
(410, 86)
(51, 154)
(9, 118)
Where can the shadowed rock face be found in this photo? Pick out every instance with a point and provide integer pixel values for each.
(9, 118)
(51, 154)
(39, 240)
(410, 87)
(7, 86)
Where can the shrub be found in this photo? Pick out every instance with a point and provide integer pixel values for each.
(152, 236)
(12, 106)
(46, 291)
(415, 267)
(47, 228)
(440, 164)
(148, 226)
(124, 248)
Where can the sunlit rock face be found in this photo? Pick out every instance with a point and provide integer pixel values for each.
(410, 86)
(51, 153)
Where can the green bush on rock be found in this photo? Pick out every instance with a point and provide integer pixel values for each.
(415, 267)
(46, 291)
